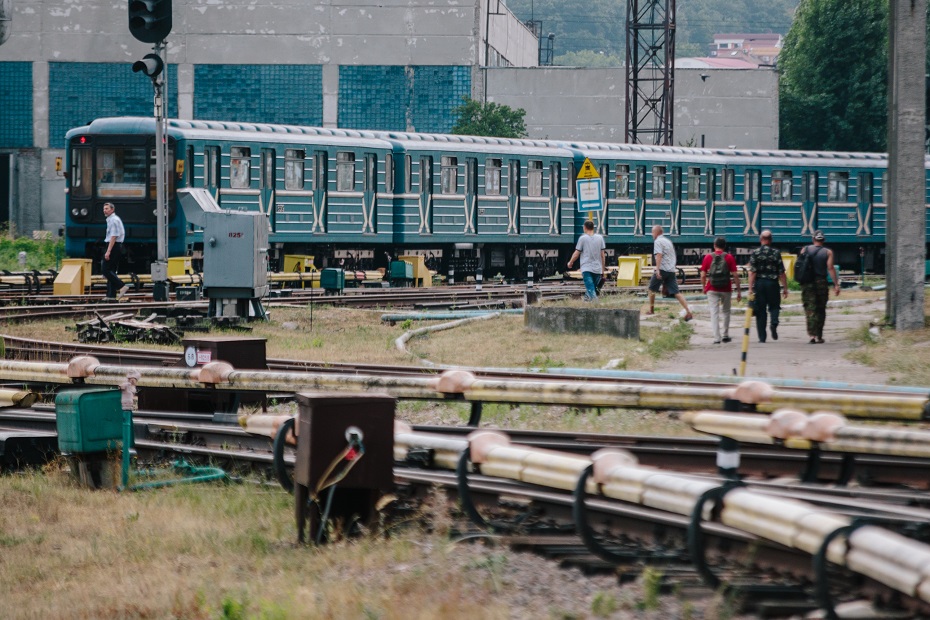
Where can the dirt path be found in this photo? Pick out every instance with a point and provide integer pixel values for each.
(791, 356)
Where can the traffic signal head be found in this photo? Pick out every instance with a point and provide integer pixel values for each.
(151, 65)
(150, 20)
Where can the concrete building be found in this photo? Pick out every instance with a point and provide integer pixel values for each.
(373, 64)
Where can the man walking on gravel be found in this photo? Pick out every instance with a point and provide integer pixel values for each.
(718, 272)
(815, 294)
(766, 270)
(665, 271)
(114, 238)
(591, 249)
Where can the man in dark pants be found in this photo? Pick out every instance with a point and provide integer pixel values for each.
(114, 238)
(815, 294)
(766, 270)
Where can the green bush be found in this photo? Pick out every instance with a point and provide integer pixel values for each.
(40, 254)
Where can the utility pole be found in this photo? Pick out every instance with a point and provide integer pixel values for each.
(906, 236)
(150, 22)
(650, 71)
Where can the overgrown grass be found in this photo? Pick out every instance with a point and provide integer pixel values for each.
(40, 254)
(901, 354)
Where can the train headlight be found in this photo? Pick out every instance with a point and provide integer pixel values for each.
(84, 212)
(74, 212)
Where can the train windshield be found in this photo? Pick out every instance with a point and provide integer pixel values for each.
(121, 172)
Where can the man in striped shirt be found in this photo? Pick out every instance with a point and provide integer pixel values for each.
(114, 238)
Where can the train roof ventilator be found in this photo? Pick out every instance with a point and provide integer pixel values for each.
(235, 256)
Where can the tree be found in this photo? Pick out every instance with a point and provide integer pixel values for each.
(489, 119)
(834, 74)
(587, 58)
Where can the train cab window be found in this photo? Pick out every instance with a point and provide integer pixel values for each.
(640, 182)
(492, 177)
(294, 168)
(622, 180)
(571, 179)
(837, 186)
(694, 183)
(389, 173)
(865, 187)
(658, 181)
(211, 166)
(408, 174)
(810, 187)
(729, 184)
(534, 178)
(345, 171)
(753, 187)
(782, 186)
(121, 172)
(449, 174)
(240, 167)
(267, 173)
(82, 166)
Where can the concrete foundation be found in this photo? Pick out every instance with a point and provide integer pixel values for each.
(610, 321)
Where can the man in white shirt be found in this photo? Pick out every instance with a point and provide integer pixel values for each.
(665, 271)
(114, 238)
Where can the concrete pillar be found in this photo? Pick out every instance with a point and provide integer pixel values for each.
(907, 212)
(40, 104)
(330, 95)
(185, 77)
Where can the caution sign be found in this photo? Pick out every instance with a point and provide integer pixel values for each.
(588, 171)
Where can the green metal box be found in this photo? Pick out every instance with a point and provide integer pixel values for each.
(401, 270)
(333, 279)
(89, 420)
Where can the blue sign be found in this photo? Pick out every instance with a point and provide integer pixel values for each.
(589, 195)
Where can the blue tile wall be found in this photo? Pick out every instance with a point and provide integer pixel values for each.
(385, 97)
(16, 107)
(79, 92)
(373, 97)
(284, 94)
(437, 90)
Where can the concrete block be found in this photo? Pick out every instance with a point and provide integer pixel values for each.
(610, 321)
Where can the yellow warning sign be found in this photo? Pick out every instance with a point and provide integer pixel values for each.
(588, 171)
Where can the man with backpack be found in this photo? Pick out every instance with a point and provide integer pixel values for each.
(718, 271)
(766, 270)
(816, 291)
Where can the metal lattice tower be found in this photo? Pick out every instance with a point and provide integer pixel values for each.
(650, 71)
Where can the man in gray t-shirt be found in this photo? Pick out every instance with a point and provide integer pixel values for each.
(591, 250)
(664, 271)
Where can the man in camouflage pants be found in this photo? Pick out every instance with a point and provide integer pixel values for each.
(815, 294)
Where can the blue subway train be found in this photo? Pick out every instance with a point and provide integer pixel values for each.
(359, 198)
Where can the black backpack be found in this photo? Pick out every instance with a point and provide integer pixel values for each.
(719, 272)
(804, 266)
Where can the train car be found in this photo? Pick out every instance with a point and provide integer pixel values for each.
(360, 198)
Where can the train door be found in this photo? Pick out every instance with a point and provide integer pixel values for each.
(864, 205)
(6, 188)
(471, 195)
(320, 186)
(710, 201)
(266, 184)
(513, 197)
(640, 201)
(370, 194)
(211, 171)
(752, 203)
(675, 203)
(809, 206)
(555, 197)
(426, 196)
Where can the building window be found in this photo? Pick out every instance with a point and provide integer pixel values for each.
(729, 184)
(534, 178)
(294, 168)
(622, 175)
(658, 181)
(781, 186)
(492, 177)
(837, 186)
(694, 183)
(449, 175)
(345, 171)
(240, 167)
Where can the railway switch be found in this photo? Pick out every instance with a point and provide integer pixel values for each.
(345, 458)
